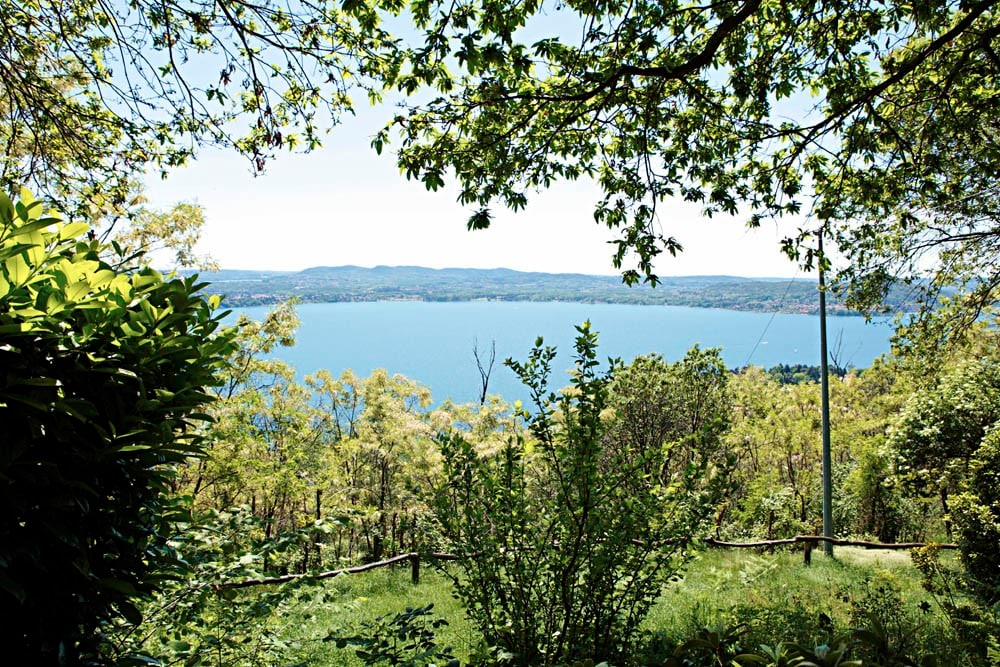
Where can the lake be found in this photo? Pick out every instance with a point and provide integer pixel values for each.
(432, 342)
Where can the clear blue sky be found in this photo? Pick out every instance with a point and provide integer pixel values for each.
(343, 204)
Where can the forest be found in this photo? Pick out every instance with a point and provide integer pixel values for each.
(171, 493)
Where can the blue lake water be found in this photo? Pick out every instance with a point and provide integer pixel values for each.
(433, 342)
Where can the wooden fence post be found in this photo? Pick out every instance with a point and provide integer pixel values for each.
(415, 569)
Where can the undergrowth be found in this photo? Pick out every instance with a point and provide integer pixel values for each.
(749, 599)
(752, 600)
(726, 604)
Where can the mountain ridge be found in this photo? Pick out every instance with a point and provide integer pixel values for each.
(325, 284)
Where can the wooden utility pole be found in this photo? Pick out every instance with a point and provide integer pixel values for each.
(825, 407)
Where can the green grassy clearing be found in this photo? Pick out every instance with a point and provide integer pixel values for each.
(772, 597)
(767, 597)
(341, 605)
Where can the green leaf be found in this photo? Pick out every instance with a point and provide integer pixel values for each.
(29, 228)
(17, 269)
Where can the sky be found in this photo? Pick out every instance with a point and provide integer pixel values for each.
(344, 204)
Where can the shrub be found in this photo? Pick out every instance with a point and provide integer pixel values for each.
(566, 538)
(102, 371)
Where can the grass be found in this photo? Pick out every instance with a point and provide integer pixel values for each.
(771, 597)
(339, 607)
(766, 597)
(720, 580)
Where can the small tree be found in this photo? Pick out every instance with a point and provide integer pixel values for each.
(102, 375)
(567, 537)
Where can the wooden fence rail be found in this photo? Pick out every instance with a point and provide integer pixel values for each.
(414, 558)
(813, 539)
(810, 540)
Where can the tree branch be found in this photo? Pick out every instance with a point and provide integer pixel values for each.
(693, 64)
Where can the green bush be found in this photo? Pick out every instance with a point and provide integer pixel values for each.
(102, 375)
(567, 538)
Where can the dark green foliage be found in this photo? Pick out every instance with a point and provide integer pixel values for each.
(941, 427)
(716, 645)
(567, 538)
(794, 373)
(407, 639)
(884, 627)
(102, 376)
(801, 373)
(870, 502)
(722, 646)
(870, 601)
(877, 637)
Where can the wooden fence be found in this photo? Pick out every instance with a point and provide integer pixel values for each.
(811, 540)
(815, 539)
(414, 558)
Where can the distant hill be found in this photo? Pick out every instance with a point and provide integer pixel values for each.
(326, 284)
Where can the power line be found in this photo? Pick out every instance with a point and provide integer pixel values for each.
(767, 326)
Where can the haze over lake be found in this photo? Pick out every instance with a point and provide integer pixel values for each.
(433, 342)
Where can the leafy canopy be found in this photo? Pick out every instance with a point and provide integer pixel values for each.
(877, 118)
(93, 92)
